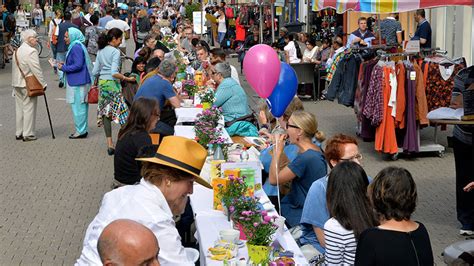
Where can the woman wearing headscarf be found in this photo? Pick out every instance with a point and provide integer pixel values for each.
(26, 58)
(77, 69)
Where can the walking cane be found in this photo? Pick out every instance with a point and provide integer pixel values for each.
(49, 116)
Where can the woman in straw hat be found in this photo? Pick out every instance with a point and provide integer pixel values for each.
(162, 193)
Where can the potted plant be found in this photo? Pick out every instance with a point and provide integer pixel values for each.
(190, 87)
(206, 127)
(234, 189)
(207, 98)
(259, 228)
(238, 206)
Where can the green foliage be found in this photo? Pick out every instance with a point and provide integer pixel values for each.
(59, 6)
(192, 8)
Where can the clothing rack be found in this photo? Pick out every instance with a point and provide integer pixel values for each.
(373, 47)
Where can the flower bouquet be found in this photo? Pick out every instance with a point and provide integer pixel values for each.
(169, 42)
(239, 205)
(259, 228)
(207, 97)
(206, 127)
(234, 189)
(189, 87)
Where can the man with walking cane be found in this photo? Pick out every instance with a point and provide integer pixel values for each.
(28, 83)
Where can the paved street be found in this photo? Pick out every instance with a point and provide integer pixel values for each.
(50, 189)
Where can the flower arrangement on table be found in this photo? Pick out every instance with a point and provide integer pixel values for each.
(207, 97)
(189, 86)
(206, 127)
(259, 228)
(230, 193)
(169, 42)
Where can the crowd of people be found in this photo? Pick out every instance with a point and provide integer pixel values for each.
(342, 215)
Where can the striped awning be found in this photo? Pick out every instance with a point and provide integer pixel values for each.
(384, 6)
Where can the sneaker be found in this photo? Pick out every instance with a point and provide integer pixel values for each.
(466, 232)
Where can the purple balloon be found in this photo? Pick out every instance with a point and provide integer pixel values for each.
(262, 69)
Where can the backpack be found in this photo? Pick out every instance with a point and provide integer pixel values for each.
(10, 22)
(54, 37)
(229, 12)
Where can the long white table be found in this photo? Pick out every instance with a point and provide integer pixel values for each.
(209, 222)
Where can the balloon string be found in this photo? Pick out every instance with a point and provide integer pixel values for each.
(277, 169)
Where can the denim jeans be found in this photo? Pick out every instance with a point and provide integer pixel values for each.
(61, 57)
(220, 36)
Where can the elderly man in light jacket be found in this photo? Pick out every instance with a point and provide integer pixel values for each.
(27, 58)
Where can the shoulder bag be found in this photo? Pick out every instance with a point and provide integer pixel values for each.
(93, 94)
(33, 86)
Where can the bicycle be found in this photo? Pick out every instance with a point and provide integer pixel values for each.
(41, 46)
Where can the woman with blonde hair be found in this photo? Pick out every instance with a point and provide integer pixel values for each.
(308, 166)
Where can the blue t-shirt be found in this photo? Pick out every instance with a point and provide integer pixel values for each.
(156, 87)
(423, 31)
(308, 167)
(315, 212)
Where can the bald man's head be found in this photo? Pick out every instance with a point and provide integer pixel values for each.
(126, 242)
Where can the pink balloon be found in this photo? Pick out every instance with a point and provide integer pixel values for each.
(262, 69)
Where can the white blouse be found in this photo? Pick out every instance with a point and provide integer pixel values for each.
(291, 49)
(145, 204)
(221, 27)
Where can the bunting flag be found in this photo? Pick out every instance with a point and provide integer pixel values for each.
(384, 6)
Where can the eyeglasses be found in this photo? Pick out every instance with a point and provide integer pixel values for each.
(357, 157)
(289, 125)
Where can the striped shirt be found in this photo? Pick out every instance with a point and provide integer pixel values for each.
(341, 244)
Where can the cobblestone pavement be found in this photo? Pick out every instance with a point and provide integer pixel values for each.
(50, 189)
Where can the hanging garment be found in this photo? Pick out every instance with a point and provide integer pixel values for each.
(401, 96)
(344, 82)
(373, 109)
(440, 84)
(421, 105)
(385, 139)
(410, 142)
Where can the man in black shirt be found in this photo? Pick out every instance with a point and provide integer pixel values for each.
(423, 30)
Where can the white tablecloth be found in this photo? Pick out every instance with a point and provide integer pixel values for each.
(209, 222)
(186, 114)
(188, 132)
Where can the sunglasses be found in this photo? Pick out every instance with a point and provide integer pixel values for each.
(288, 125)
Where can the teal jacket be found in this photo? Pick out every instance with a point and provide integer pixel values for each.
(231, 97)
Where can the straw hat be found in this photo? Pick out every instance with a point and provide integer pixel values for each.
(181, 153)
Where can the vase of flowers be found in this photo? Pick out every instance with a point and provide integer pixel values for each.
(207, 98)
(239, 205)
(206, 127)
(234, 189)
(259, 228)
(189, 87)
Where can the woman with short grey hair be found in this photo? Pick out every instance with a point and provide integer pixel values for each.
(224, 69)
(231, 97)
(26, 60)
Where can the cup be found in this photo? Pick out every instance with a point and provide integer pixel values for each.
(229, 235)
(188, 102)
(280, 221)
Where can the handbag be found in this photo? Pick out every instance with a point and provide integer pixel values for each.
(33, 86)
(93, 94)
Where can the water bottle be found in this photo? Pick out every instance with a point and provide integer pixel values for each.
(244, 155)
(218, 153)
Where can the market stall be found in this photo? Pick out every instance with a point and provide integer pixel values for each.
(392, 114)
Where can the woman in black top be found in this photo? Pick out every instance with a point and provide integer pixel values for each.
(144, 114)
(398, 240)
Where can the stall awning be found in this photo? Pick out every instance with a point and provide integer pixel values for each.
(384, 6)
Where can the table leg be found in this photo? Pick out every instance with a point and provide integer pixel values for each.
(436, 134)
